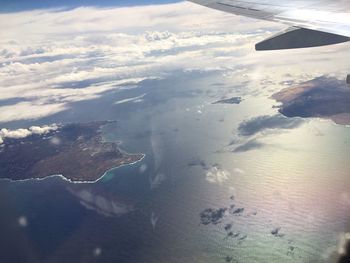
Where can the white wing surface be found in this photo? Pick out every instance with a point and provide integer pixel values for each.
(312, 22)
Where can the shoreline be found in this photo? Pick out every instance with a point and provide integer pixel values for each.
(73, 181)
(324, 98)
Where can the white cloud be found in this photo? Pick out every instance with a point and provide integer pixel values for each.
(44, 129)
(239, 171)
(15, 134)
(217, 175)
(156, 180)
(109, 207)
(22, 133)
(27, 110)
(45, 55)
(154, 220)
(134, 99)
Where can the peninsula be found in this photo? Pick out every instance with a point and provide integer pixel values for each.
(324, 97)
(76, 151)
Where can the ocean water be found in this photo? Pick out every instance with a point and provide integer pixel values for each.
(290, 184)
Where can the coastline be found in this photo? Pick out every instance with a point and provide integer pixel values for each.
(325, 98)
(73, 181)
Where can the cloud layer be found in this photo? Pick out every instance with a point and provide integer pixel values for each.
(50, 59)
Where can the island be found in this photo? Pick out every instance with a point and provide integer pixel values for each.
(233, 100)
(75, 151)
(323, 97)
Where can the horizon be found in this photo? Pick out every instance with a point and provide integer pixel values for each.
(8, 6)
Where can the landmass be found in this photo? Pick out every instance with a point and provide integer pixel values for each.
(324, 97)
(76, 151)
(233, 100)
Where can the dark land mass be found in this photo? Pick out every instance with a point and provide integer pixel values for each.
(76, 151)
(324, 97)
(234, 100)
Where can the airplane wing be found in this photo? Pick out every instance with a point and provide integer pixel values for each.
(311, 22)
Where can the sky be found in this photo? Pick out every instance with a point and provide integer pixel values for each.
(20, 5)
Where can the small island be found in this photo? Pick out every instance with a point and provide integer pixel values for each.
(233, 100)
(324, 97)
(76, 151)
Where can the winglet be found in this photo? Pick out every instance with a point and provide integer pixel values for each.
(300, 38)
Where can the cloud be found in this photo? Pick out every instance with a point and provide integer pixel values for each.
(252, 131)
(50, 59)
(44, 129)
(239, 171)
(154, 220)
(266, 122)
(15, 134)
(249, 146)
(22, 133)
(28, 111)
(109, 207)
(156, 180)
(217, 175)
(212, 215)
(134, 99)
(47, 65)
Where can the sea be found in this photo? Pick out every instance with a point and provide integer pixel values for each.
(204, 192)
